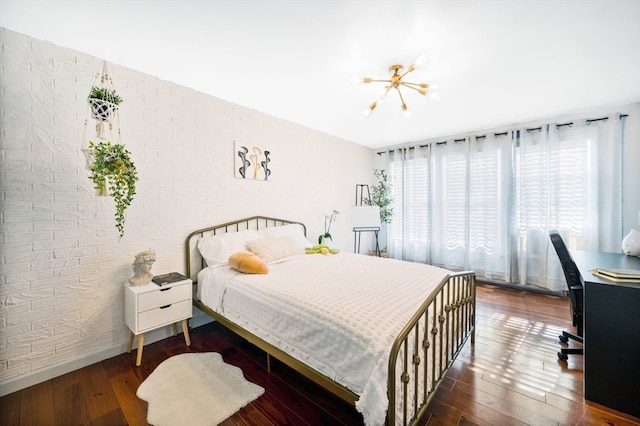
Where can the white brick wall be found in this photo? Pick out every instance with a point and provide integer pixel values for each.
(62, 264)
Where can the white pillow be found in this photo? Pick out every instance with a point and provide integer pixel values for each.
(272, 249)
(216, 249)
(293, 230)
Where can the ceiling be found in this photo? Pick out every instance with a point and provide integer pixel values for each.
(494, 62)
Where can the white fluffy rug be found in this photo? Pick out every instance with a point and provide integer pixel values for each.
(195, 389)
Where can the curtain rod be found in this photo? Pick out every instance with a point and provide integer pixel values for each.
(495, 134)
(529, 130)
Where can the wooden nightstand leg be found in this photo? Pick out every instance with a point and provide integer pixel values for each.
(185, 330)
(140, 346)
(131, 336)
(174, 326)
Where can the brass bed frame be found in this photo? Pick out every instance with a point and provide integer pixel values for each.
(424, 349)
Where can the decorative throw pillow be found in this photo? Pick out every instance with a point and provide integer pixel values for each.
(293, 230)
(247, 262)
(272, 249)
(216, 249)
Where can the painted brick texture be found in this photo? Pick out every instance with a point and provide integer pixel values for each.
(63, 266)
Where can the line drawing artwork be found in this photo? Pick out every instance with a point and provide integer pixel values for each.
(252, 163)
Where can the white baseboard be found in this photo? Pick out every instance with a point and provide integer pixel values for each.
(24, 381)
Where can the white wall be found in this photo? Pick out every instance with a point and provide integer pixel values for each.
(62, 264)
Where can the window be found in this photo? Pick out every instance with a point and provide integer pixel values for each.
(487, 202)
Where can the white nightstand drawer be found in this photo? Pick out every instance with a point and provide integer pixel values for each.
(164, 315)
(162, 296)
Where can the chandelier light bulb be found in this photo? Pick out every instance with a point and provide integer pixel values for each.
(420, 61)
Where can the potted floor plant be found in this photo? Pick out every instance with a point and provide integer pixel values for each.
(114, 173)
(381, 196)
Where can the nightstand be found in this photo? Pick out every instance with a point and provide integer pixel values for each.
(151, 306)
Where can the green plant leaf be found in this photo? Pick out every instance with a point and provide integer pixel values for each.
(105, 94)
(114, 167)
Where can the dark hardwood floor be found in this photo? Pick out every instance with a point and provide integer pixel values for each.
(511, 376)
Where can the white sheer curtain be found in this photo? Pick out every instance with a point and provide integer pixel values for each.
(472, 194)
(490, 198)
(568, 178)
(450, 204)
(487, 202)
(409, 234)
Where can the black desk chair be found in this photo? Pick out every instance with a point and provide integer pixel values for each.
(575, 284)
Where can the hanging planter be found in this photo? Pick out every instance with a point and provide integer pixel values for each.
(102, 110)
(113, 173)
(104, 107)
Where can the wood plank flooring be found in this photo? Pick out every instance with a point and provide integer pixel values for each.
(511, 376)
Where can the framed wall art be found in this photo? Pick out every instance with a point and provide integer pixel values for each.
(252, 162)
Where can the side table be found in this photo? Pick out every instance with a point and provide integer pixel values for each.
(151, 306)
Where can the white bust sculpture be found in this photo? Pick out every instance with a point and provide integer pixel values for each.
(142, 267)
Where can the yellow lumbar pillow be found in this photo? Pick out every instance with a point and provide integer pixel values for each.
(247, 262)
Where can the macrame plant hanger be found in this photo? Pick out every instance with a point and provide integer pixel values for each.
(103, 109)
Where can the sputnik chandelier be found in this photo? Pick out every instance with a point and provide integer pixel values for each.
(395, 82)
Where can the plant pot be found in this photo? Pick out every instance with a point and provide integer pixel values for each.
(103, 190)
(326, 241)
(102, 110)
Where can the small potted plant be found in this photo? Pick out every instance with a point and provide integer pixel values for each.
(328, 219)
(104, 103)
(114, 173)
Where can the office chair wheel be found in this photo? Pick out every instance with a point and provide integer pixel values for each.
(563, 357)
(563, 338)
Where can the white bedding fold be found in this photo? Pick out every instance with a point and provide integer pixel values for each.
(339, 313)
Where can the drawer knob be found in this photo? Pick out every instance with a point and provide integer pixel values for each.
(164, 307)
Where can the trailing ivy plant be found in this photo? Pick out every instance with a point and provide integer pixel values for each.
(381, 196)
(114, 173)
(105, 94)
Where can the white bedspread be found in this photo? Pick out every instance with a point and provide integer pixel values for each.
(337, 313)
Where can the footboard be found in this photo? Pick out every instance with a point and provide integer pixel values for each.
(427, 346)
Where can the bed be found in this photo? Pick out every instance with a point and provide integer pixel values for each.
(378, 333)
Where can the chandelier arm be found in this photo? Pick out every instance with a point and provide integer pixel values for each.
(404, 105)
(386, 91)
(408, 84)
(378, 81)
(381, 96)
(406, 72)
(419, 90)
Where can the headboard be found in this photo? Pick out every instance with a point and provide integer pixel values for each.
(195, 262)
